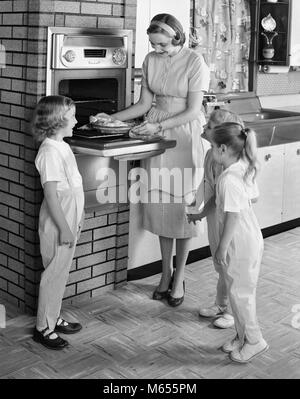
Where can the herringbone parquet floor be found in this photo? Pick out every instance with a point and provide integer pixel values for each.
(128, 335)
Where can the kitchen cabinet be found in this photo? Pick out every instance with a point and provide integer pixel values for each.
(146, 10)
(295, 34)
(268, 209)
(273, 32)
(291, 189)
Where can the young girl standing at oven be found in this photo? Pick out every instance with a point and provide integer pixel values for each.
(61, 214)
(240, 242)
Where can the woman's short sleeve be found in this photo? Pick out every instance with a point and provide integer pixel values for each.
(145, 72)
(49, 167)
(199, 74)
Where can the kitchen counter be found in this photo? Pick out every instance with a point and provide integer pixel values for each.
(121, 148)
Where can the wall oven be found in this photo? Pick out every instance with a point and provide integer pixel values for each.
(93, 67)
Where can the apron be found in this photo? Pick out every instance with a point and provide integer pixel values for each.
(57, 259)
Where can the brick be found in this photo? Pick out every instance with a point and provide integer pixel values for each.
(16, 163)
(103, 268)
(81, 22)
(84, 249)
(12, 45)
(19, 32)
(21, 282)
(8, 297)
(3, 135)
(80, 275)
(5, 109)
(5, 31)
(96, 9)
(3, 235)
(34, 60)
(37, 33)
(6, 6)
(11, 149)
(104, 244)
(15, 240)
(3, 284)
(122, 240)
(91, 284)
(85, 236)
(123, 228)
(19, 59)
(122, 252)
(123, 217)
(17, 189)
(20, 5)
(95, 222)
(10, 97)
(9, 225)
(59, 20)
(5, 83)
(9, 275)
(13, 19)
(110, 278)
(16, 266)
(121, 276)
(112, 218)
(9, 123)
(9, 200)
(31, 289)
(9, 174)
(3, 260)
(4, 210)
(16, 291)
(40, 20)
(122, 264)
(105, 232)
(91, 260)
(118, 10)
(79, 298)
(17, 111)
(102, 290)
(70, 291)
(111, 254)
(130, 23)
(104, 22)
(67, 7)
(3, 160)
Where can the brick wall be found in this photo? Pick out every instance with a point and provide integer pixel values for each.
(101, 255)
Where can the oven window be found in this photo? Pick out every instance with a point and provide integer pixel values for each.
(91, 96)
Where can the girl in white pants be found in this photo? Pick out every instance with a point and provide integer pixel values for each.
(61, 214)
(240, 243)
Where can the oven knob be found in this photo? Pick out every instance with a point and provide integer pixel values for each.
(119, 56)
(70, 55)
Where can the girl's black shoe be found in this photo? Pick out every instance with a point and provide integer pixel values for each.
(55, 343)
(176, 301)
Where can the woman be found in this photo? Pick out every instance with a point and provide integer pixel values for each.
(175, 77)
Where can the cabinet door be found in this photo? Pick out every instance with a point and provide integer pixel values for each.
(146, 9)
(295, 34)
(291, 189)
(268, 209)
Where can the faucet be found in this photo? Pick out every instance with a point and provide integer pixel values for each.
(210, 100)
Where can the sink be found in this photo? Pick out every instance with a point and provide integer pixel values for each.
(267, 114)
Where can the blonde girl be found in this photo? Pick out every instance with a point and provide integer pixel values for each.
(61, 214)
(240, 242)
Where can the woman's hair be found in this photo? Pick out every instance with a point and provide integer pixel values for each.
(242, 142)
(219, 116)
(49, 116)
(170, 20)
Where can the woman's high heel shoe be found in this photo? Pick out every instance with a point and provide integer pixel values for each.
(176, 301)
(159, 295)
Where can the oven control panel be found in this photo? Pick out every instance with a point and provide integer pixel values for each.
(89, 51)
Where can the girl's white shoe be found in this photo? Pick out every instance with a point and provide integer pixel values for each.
(212, 311)
(232, 345)
(249, 351)
(224, 321)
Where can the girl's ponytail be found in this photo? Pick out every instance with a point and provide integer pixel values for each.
(250, 152)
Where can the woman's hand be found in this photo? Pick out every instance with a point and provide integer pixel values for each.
(220, 256)
(193, 217)
(146, 128)
(66, 237)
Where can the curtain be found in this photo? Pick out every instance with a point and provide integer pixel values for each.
(221, 32)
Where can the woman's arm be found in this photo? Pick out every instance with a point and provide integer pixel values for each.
(207, 209)
(138, 109)
(194, 103)
(231, 219)
(56, 212)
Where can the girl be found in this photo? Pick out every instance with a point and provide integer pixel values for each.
(61, 214)
(212, 171)
(240, 242)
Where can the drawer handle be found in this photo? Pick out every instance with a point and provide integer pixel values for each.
(298, 151)
(268, 157)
